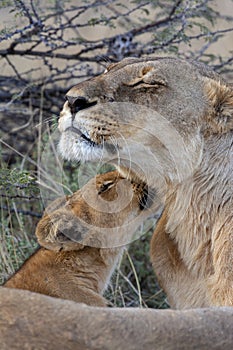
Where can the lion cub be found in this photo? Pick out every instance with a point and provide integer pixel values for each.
(82, 238)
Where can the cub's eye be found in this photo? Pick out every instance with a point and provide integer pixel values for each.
(108, 98)
(105, 186)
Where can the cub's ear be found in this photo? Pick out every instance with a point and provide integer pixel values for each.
(220, 97)
(56, 204)
(60, 230)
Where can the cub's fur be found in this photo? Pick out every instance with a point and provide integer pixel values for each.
(74, 262)
(168, 123)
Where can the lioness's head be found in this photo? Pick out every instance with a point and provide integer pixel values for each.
(104, 213)
(150, 116)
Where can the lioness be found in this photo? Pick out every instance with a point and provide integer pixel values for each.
(167, 123)
(73, 262)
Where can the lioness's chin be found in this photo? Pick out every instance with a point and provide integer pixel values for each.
(73, 149)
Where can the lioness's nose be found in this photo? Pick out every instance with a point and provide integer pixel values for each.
(78, 103)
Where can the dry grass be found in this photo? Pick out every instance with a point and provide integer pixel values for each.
(134, 283)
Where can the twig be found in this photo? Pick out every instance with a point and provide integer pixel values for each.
(24, 212)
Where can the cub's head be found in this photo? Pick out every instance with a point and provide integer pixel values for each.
(144, 113)
(104, 213)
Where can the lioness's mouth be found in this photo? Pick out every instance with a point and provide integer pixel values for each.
(84, 137)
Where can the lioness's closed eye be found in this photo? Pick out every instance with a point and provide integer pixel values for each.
(74, 262)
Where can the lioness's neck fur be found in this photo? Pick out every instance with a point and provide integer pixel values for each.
(69, 268)
(194, 236)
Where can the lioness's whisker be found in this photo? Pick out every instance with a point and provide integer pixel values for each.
(44, 122)
(114, 143)
(127, 148)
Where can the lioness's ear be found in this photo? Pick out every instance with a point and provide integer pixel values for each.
(60, 230)
(220, 97)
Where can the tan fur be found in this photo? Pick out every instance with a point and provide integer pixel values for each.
(71, 270)
(174, 121)
(35, 321)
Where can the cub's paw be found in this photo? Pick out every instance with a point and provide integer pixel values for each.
(60, 230)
